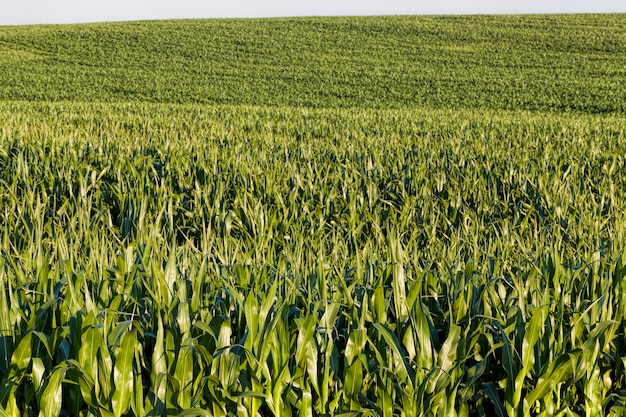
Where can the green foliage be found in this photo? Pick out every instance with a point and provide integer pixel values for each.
(413, 216)
(550, 62)
(232, 260)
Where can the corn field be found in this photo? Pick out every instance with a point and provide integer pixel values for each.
(542, 63)
(195, 260)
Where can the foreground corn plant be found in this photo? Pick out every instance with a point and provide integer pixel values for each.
(189, 260)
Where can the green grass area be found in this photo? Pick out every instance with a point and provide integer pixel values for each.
(385, 216)
(549, 62)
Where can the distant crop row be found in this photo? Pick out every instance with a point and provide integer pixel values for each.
(549, 63)
(190, 260)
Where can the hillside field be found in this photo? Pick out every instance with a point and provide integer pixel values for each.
(355, 216)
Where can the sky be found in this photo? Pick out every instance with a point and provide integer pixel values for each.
(19, 12)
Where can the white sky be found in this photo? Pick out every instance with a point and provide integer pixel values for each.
(17, 12)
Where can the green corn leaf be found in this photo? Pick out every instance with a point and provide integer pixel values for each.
(169, 277)
(269, 302)
(38, 369)
(447, 355)
(532, 333)
(184, 374)
(251, 312)
(420, 317)
(103, 385)
(88, 351)
(184, 323)
(306, 331)
(52, 398)
(378, 305)
(20, 358)
(312, 364)
(398, 283)
(123, 374)
(195, 412)
(159, 367)
(352, 384)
